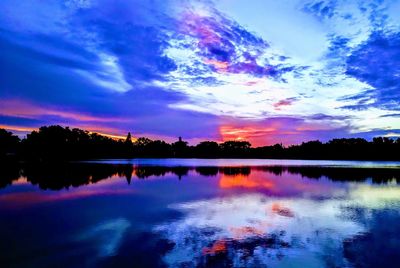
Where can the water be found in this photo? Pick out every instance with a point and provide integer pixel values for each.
(201, 213)
(193, 162)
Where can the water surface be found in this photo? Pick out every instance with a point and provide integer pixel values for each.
(201, 213)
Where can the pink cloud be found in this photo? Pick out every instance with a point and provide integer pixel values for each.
(284, 102)
(26, 109)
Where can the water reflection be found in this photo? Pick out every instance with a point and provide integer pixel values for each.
(265, 232)
(122, 215)
(108, 235)
(253, 230)
(64, 176)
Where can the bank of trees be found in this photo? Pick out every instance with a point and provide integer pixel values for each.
(63, 143)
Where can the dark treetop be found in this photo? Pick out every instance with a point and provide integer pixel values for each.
(62, 143)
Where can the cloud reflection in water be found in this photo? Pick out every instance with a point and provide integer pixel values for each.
(254, 229)
(109, 235)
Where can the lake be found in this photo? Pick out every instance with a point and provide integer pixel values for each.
(200, 213)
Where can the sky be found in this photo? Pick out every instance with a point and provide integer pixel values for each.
(266, 71)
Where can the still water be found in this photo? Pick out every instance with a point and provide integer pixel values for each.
(201, 213)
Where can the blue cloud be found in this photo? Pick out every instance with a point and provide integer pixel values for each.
(111, 58)
(391, 115)
(139, 49)
(375, 62)
(41, 68)
(19, 121)
(220, 41)
(321, 9)
(328, 117)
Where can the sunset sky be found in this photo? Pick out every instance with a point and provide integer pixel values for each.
(266, 71)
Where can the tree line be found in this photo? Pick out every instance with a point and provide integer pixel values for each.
(63, 143)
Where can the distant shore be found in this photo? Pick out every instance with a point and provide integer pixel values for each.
(56, 143)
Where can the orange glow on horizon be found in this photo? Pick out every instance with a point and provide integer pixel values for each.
(25, 109)
(112, 136)
(30, 129)
(245, 133)
(18, 128)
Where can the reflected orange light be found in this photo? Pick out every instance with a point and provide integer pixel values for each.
(281, 210)
(218, 247)
(246, 231)
(245, 182)
(21, 181)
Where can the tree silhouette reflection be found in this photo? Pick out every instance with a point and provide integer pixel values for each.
(65, 175)
(9, 172)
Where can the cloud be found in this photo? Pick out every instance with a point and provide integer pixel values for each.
(375, 62)
(321, 9)
(222, 45)
(391, 115)
(144, 63)
(284, 102)
(286, 130)
(27, 110)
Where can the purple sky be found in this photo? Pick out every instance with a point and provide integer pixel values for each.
(264, 70)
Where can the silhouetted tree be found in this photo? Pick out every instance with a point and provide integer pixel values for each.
(54, 143)
(9, 143)
(128, 146)
(58, 143)
(140, 146)
(9, 171)
(180, 148)
(274, 151)
(141, 142)
(62, 175)
(233, 171)
(159, 148)
(144, 147)
(207, 171)
(207, 149)
(128, 139)
(235, 148)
